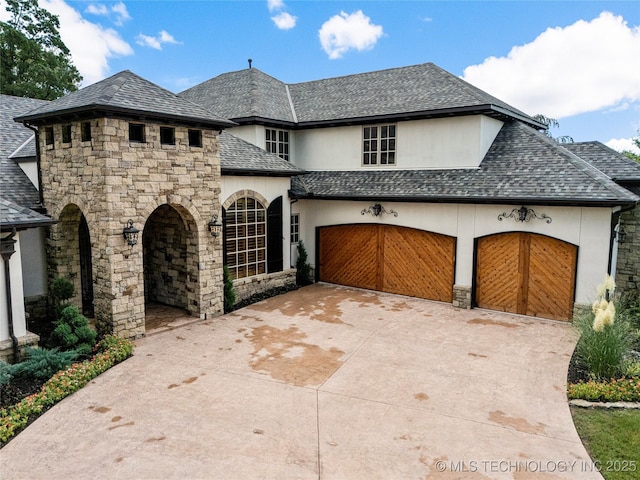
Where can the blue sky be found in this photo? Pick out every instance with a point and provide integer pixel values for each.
(576, 61)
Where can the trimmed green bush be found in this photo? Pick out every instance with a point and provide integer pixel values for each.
(229, 292)
(72, 332)
(62, 290)
(42, 363)
(303, 269)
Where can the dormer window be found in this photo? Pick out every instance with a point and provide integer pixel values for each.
(379, 145)
(277, 141)
(167, 135)
(66, 133)
(136, 132)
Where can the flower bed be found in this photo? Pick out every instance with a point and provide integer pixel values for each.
(615, 390)
(111, 350)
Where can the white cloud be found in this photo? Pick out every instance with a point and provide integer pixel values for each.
(275, 5)
(119, 11)
(622, 144)
(566, 71)
(284, 21)
(157, 41)
(343, 32)
(90, 44)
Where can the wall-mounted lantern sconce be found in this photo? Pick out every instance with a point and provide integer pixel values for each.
(376, 210)
(130, 233)
(215, 227)
(621, 234)
(524, 214)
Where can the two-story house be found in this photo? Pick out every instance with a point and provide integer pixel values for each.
(408, 180)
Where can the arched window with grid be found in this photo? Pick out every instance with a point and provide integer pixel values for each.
(246, 238)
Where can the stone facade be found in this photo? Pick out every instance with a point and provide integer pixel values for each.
(628, 267)
(6, 347)
(461, 296)
(248, 286)
(110, 180)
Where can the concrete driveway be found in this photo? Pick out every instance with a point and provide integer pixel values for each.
(325, 382)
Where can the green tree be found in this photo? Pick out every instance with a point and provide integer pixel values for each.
(552, 123)
(629, 153)
(34, 61)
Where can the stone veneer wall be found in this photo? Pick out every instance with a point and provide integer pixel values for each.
(111, 180)
(248, 286)
(628, 266)
(461, 296)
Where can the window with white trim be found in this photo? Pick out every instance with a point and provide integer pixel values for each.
(246, 238)
(295, 227)
(379, 145)
(277, 141)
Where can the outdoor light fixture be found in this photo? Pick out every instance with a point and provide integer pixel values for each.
(376, 210)
(524, 214)
(621, 234)
(130, 233)
(215, 227)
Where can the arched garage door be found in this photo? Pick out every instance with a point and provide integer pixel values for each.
(526, 273)
(387, 258)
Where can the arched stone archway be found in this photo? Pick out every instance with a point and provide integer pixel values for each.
(70, 241)
(170, 241)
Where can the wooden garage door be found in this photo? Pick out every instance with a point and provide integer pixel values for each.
(391, 259)
(526, 273)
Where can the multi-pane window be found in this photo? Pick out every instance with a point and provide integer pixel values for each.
(136, 132)
(167, 135)
(295, 228)
(379, 145)
(277, 141)
(246, 238)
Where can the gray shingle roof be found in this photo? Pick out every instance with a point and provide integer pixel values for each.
(417, 90)
(611, 163)
(127, 93)
(14, 183)
(522, 166)
(243, 94)
(238, 157)
(15, 216)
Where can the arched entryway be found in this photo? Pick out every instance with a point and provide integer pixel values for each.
(71, 240)
(170, 246)
(526, 273)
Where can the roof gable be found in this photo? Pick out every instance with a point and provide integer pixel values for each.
(126, 93)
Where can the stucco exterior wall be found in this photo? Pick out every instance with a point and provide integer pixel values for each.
(435, 143)
(588, 228)
(34, 267)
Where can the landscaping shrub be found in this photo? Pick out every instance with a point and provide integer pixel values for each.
(303, 269)
(42, 363)
(229, 293)
(62, 290)
(72, 332)
(111, 350)
(605, 339)
(6, 373)
(623, 390)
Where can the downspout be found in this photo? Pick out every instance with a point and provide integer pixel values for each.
(6, 250)
(38, 164)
